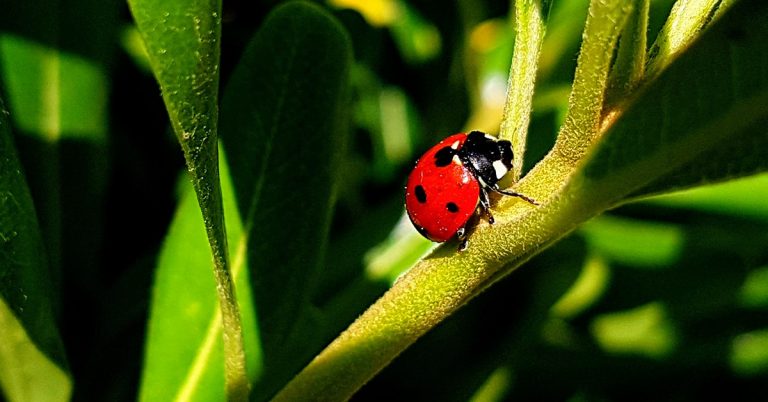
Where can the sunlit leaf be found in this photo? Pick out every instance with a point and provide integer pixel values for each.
(183, 355)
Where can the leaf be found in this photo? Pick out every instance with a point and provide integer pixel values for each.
(740, 157)
(722, 137)
(183, 358)
(57, 88)
(282, 127)
(32, 362)
(565, 23)
(182, 40)
(744, 197)
(685, 21)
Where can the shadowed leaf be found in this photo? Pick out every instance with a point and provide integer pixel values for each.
(282, 128)
(32, 361)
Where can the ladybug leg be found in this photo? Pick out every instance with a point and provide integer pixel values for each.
(485, 205)
(514, 194)
(463, 237)
(465, 231)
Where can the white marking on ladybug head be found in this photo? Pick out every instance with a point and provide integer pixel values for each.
(455, 144)
(490, 137)
(500, 169)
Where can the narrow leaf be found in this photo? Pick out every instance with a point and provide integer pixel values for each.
(32, 362)
(182, 41)
(282, 127)
(629, 66)
(529, 37)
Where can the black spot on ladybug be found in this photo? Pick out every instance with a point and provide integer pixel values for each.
(444, 156)
(421, 195)
(451, 207)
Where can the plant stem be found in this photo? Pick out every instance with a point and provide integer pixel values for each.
(236, 379)
(683, 25)
(202, 163)
(529, 36)
(629, 68)
(585, 106)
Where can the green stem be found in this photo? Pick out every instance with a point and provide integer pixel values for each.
(629, 68)
(682, 27)
(529, 37)
(585, 105)
(209, 197)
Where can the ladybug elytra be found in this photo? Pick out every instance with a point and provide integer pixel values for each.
(451, 181)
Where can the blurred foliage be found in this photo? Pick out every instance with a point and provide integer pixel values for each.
(662, 299)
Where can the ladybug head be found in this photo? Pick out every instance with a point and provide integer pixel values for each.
(488, 157)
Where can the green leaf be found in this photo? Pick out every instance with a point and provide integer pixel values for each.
(529, 37)
(741, 156)
(282, 127)
(32, 363)
(57, 88)
(684, 23)
(669, 138)
(183, 357)
(565, 23)
(743, 197)
(182, 40)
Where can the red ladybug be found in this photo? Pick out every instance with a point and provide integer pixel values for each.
(451, 181)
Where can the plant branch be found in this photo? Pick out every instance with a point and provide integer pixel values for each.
(683, 25)
(629, 68)
(529, 36)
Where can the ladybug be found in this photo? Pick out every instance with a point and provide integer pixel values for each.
(451, 181)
